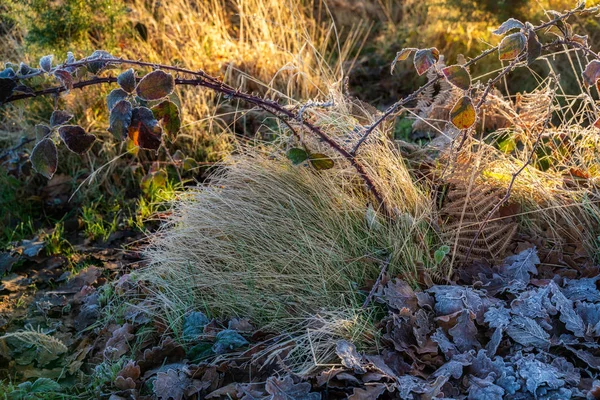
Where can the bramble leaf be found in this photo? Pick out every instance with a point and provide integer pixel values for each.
(126, 80)
(592, 72)
(120, 119)
(534, 47)
(509, 25)
(462, 114)
(100, 58)
(155, 85)
(65, 78)
(401, 56)
(8, 73)
(511, 46)
(297, 155)
(7, 86)
(44, 158)
(458, 76)
(321, 162)
(59, 117)
(41, 131)
(425, 59)
(76, 139)
(25, 69)
(46, 62)
(168, 113)
(115, 96)
(144, 130)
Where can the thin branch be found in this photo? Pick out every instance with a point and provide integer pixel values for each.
(384, 267)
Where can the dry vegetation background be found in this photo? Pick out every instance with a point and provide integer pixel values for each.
(292, 250)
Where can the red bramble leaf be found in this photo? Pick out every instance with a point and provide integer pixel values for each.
(155, 85)
(425, 59)
(592, 72)
(462, 114)
(44, 158)
(65, 78)
(76, 139)
(144, 130)
(458, 76)
(511, 46)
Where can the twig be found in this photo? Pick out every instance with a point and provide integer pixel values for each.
(384, 267)
(24, 141)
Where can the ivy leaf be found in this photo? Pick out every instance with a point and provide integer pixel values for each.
(534, 47)
(44, 158)
(511, 46)
(297, 155)
(127, 80)
(462, 114)
(76, 139)
(168, 113)
(591, 72)
(59, 117)
(100, 58)
(120, 119)
(144, 130)
(509, 25)
(401, 56)
(321, 162)
(65, 78)
(458, 76)
(155, 85)
(425, 59)
(115, 96)
(46, 62)
(7, 86)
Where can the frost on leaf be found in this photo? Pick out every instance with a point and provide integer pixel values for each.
(193, 325)
(65, 78)
(59, 117)
(168, 113)
(509, 25)
(350, 358)
(99, 61)
(7, 86)
(528, 332)
(144, 130)
(46, 63)
(228, 340)
(126, 80)
(285, 389)
(115, 96)
(320, 161)
(120, 119)
(458, 76)
(591, 72)
(511, 46)
(76, 139)
(44, 158)
(463, 113)
(155, 85)
(425, 59)
(297, 155)
(401, 56)
(534, 47)
(464, 332)
(177, 385)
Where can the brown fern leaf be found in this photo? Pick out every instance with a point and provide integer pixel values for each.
(465, 209)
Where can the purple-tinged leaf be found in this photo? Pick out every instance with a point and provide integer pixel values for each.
(527, 332)
(511, 46)
(464, 332)
(492, 346)
(497, 317)
(458, 76)
(285, 388)
(24, 89)
(409, 385)
(583, 289)
(537, 374)
(350, 358)
(591, 74)
(518, 267)
(100, 60)
(582, 40)
(65, 78)
(115, 96)
(126, 80)
(401, 56)
(156, 85)
(445, 345)
(120, 119)
(76, 138)
(7, 86)
(70, 60)
(454, 367)
(59, 117)
(590, 314)
(534, 47)
(167, 113)
(452, 299)
(41, 132)
(484, 389)
(509, 25)
(25, 69)
(398, 295)
(44, 158)
(46, 63)
(463, 113)
(587, 357)
(370, 392)
(144, 130)
(568, 316)
(531, 303)
(425, 59)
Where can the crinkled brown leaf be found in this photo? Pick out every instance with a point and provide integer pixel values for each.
(65, 78)
(155, 85)
(350, 358)
(401, 56)
(370, 392)
(76, 139)
(286, 389)
(44, 158)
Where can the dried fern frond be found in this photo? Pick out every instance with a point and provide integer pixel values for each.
(39, 339)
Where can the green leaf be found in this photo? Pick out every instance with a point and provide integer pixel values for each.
(45, 385)
(534, 47)
(193, 325)
(511, 46)
(114, 97)
(462, 114)
(44, 158)
(425, 59)
(168, 113)
(438, 256)
(76, 138)
(297, 155)
(127, 80)
(46, 62)
(401, 56)
(509, 25)
(321, 162)
(445, 248)
(592, 72)
(228, 339)
(120, 119)
(7, 86)
(144, 130)
(458, 76)
(155, 85)
(59, 117)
